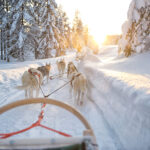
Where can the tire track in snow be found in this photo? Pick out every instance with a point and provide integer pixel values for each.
(92, 88)
(111, 131)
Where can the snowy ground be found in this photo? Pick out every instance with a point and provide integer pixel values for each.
(117, 105)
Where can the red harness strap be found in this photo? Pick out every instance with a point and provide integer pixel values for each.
(34, 73)
(37, 123)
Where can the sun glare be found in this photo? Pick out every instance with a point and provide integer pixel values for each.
(99, 37)
(103, 17)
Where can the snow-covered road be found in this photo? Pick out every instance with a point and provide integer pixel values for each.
(117, 104)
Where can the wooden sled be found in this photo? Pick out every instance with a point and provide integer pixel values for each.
(86, 142)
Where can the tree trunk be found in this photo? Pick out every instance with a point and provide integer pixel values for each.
(2, 50)
(22, 25)
(4, 41)
(7, 28)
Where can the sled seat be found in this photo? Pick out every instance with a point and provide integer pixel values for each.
(72, 143)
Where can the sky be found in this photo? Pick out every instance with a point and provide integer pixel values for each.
(103, 17)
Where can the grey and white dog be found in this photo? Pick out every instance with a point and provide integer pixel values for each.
(45, 70)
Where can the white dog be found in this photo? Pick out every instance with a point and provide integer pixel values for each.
(31, 80)
(78, 83)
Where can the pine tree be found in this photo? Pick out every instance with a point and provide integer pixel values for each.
(48, 40)
(85, 35)
(34, 33)
(63, 31)
(2, 26)
(5, 27)
(33, 26)
(67, 30)
(21, 21)
(77, 32)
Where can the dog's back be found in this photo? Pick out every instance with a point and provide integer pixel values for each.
(45, 70)
(79, 85)
(26, 81)
(71, 70)
(31, 79)
(79, 82)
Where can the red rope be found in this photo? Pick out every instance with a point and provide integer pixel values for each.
(59, 132)
(6, 135)
(37, 123)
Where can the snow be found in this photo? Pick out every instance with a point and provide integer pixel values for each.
(117, 104)
(135, 29)
(21, 39)
(13, 26)
(140, 3)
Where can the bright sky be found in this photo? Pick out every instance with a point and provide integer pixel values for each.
(103, 17)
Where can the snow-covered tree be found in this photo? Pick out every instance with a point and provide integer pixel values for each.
(77, 32)
(32, 26)
(63, 31)
(34, 32)
(48, 40)
(86, 34)
(2, 26)
(67, 30)
(5, 26)
(136, 30)
(21, 21)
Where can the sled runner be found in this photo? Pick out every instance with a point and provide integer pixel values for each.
(86, 142)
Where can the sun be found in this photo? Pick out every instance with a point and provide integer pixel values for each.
(98, 36)
(99, 39)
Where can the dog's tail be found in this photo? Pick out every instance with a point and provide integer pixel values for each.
(22, 87)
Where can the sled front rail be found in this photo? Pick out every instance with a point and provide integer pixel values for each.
(73, 143)
(87, 132)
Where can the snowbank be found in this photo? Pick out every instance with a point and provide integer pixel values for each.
(121, 89)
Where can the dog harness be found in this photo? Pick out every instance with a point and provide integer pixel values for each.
(34, 73)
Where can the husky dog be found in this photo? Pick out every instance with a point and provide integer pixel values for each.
(61, 65)
(78, 83)
(31, 80)
(71, 69)
(45, 70)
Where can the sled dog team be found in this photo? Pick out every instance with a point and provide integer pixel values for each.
(32, 79)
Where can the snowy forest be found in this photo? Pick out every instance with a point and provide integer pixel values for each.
(37, 29)
(136, 29)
